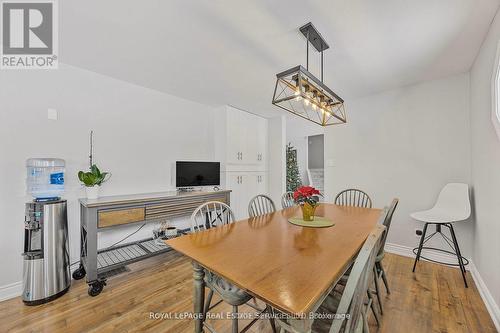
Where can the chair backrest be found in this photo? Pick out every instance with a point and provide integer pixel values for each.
(387, 223)
(261, 204)
(353, 197)
(454, 200)
(353, 297)
(287, 200)
(211, 214)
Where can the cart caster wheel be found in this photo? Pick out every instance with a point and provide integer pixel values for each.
(96, 288)
(79, 273)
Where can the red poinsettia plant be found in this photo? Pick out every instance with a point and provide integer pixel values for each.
(306, 194)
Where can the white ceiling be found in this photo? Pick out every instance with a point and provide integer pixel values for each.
(229, 51)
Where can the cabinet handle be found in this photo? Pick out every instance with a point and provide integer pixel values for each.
(241, 155)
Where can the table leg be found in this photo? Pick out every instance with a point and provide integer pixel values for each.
(199, 296)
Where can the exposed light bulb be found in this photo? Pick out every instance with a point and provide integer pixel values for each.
(314, 106)
(297, 92)
(306, 101)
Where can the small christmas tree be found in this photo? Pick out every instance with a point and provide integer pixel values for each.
(293, 180)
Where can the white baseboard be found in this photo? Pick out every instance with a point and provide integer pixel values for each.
(488, 300)
(11, 290)
(486, 296)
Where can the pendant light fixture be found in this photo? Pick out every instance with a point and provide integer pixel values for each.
(303, 94)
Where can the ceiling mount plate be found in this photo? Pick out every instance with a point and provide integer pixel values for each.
(315, 37)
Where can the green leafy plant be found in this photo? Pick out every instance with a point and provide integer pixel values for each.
(93, 177)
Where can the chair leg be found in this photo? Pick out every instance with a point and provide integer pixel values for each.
(271, 319)
(384, 277)
(208, 301)
(235, 319)
(377, 289)
(372, 307)
(417, 258)
(459, 254)
(366, 329)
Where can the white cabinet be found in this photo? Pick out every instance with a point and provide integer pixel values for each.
(241, 146)
(244, 137)
(244, 186)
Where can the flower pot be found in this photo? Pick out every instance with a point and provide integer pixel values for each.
(308, 211)
(92, 192)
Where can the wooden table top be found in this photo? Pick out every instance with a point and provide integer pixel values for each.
(287, 266)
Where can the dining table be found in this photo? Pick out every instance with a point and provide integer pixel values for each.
(289, 267)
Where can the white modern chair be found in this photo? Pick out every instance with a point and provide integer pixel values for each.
(453, 205)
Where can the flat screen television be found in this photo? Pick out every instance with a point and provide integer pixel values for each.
(189, 174)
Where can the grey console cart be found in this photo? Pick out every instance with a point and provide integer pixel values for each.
(114, 211)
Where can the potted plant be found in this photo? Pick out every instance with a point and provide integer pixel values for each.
(308, 198)
(92, 180)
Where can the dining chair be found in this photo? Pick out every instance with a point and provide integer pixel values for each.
(453, 205)
(261, 204)
(353, 197)
(347, 301)
(287, 200)
(213, 214)
(379, 268)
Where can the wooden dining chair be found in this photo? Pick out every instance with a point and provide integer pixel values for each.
(353, 197)
(261, 204)
(287, 200)
(379, 268)
(213, 214)
(349, 300)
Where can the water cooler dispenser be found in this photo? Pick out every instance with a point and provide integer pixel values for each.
(46, 267)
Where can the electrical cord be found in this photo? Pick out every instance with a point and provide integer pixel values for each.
(128, 236)
(121, 240)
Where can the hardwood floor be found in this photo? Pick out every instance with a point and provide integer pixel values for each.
(431, 300)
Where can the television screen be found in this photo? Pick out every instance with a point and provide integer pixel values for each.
(189, 174)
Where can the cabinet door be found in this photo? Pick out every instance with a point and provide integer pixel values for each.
(261, 141)
(234, 137)
(234, 184)
(262, 183)
(251, 138)
(249, 191)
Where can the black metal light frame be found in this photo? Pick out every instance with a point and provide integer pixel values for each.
(300, 92)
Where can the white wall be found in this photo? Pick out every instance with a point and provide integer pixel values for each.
(139, 133)
(405, 143)
(486, 167)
